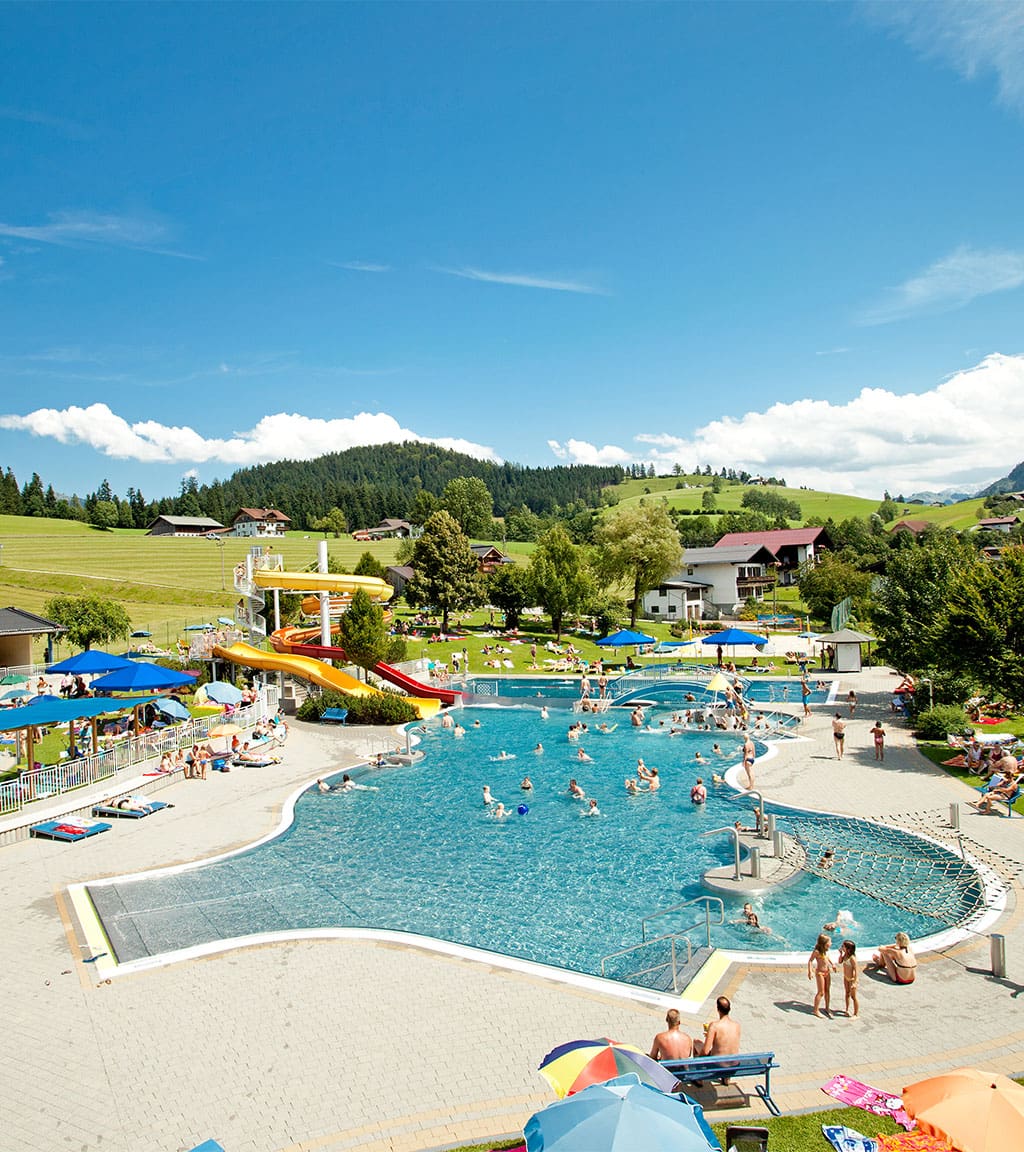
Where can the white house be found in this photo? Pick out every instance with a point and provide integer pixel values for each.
(721, 578)
(260, 522)
(998, 523)
(791, 547)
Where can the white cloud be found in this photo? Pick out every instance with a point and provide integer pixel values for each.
(359, 266)
(581, 452)
(949, 283)
(276, 437)
(518, 280)
(975, 38)
(967, 430)
(83, 229)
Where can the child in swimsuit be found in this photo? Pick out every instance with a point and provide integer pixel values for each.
(820, 969)
(851, 975)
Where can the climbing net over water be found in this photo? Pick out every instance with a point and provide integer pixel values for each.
(935, 877)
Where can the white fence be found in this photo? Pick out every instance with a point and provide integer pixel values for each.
(45, 783)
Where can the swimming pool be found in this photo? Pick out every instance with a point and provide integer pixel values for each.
(671, 690)
(421, 855)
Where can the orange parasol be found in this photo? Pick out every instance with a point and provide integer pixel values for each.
(978, 1111)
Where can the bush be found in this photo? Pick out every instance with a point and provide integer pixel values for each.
(937, 723)
(386, 708)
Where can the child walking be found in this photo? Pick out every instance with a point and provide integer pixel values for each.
(820, 969)
(851, 975)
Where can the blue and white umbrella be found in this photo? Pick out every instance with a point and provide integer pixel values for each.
(620, 1115)
(222, 692)
(173, 708)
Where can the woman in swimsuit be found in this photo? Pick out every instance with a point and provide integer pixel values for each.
(897, 959)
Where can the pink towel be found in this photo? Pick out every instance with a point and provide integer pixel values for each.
(858, 1095)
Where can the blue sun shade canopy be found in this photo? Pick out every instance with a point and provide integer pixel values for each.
(63, 712)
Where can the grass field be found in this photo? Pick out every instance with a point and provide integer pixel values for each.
(812, 502)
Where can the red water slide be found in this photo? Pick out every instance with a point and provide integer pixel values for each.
(291, 640)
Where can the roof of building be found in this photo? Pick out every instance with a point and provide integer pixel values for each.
(18, 622)
(775, 538)
(405, 571)
(998, 520)
(482, 550)
(914, 526)
(189, 521)
(737, 554)
(392, 524)
(684, 582)
(261, 514)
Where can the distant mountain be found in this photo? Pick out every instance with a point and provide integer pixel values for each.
(947, 495)
(1012, 483)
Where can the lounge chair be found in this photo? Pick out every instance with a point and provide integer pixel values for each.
(138, 807)
(68, 828)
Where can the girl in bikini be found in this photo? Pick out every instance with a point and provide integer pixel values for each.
(820, 969)
(851, 975)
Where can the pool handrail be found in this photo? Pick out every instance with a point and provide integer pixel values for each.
(735, 845)
(671, 937)
(707, 901)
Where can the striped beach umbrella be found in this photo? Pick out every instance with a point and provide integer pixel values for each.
(573, 1066)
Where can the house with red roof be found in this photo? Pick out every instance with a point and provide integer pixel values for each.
(791, 547)
(998, 523)
(260, 522)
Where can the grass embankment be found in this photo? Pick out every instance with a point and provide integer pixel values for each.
(786, 1133)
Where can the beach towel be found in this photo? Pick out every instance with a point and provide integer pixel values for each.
(845, 1139)
(70, 829)
(914, 1142)
(858, 1095)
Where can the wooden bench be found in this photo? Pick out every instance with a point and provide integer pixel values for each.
(336, 715)
(728, 1068)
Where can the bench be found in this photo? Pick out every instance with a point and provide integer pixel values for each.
(337, 715)
(727, 1068)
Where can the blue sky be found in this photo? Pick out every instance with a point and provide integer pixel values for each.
(781, 237)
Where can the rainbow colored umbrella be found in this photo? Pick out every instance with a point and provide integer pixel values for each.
(574, 1066)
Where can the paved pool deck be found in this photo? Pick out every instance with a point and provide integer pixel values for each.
(332, 1045)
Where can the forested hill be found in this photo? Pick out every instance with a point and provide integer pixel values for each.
(370, 483)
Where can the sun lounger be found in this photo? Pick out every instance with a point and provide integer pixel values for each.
(725, 1068)
(69, 828)
(135, 812)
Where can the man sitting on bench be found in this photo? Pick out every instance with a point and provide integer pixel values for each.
(721, 1036)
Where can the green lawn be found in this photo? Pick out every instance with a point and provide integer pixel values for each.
(937, 752)
(798, 1133)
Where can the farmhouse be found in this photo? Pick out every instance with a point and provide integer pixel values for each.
(260, 522)
(489, 558)
(998, 524)
(725, 578)
(184, 526)
(792, 547)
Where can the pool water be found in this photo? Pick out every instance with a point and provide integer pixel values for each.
(774, 691)
(421, 854)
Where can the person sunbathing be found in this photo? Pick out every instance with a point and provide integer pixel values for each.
(1002, 792)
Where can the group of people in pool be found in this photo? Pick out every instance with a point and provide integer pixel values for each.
(497, 810)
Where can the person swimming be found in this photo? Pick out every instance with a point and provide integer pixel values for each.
(499, 811)
(526, 784)
(576, 791)
(631, 786)
(591, 809)
(539, 748)
(488, 798)
(544, 712)
(582, 755)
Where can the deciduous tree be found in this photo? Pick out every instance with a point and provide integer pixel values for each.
(89, 620)
(447, 572)
(559, 576)
(363, 631)
(470, 504)
(640, 546)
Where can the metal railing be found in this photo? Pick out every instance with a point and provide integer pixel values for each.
(55, 780)
(704, 922)
(671, 965)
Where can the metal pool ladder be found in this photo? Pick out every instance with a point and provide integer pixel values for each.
(667, 972)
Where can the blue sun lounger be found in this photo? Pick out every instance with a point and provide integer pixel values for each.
(135, 813)
(68, 829)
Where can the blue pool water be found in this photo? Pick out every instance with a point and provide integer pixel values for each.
(774, 691)
(420, 854)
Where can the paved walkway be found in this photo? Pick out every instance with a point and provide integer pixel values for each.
(331, 1045)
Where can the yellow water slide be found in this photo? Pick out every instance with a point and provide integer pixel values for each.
(338, 585)
(315, 671)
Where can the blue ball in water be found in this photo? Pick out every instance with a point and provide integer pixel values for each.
(523, 809)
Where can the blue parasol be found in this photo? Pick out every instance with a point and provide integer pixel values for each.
(173, 708)
(624, 638)
(89, 662)
(142, 678)
(733, 636)
(222, 692)
(620, 1115)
